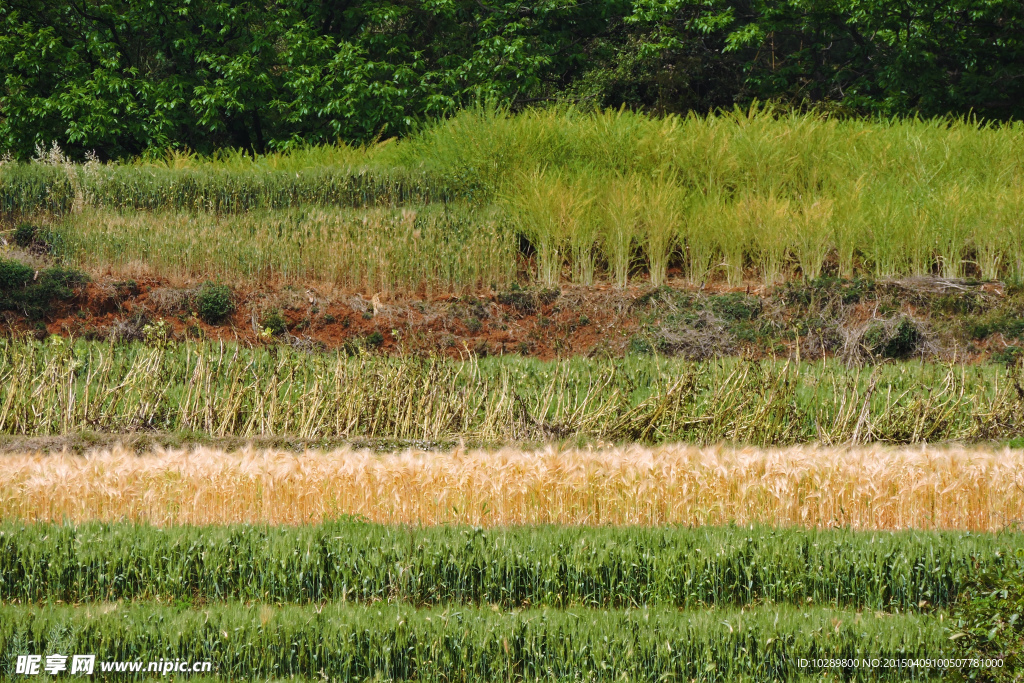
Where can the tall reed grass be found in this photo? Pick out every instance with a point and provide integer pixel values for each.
(977, 489)
(796, 188)
(554, 215)
(619, 219)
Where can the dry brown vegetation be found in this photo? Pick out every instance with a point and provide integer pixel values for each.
(978, 489)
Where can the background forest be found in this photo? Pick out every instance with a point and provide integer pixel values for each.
(126, 76)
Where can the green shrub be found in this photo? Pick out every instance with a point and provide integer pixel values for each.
(33, 294)
(1009, 356)
(374, 340)
(824, 289)
(1009, 325)
(960, 303)
(735, 306)
(13, 275)
(526, 302)
(275, 322)
(25, 235)
(521, 300)
(29, 236)
(547, 296)
(887, 339)
(904, 342)
(215, 303)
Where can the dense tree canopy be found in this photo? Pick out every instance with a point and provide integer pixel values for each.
(124, 76)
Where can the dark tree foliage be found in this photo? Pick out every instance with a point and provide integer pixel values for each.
(125, 76)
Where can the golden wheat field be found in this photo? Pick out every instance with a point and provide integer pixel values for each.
(978, 489)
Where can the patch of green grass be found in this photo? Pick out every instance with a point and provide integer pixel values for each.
(988, 621)
(640, 346)
(892, 341)
(401, 642)
(1009, 325)
(450, 246)
(734, 306)
(670, 566)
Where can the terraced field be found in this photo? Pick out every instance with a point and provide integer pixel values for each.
(557, 395)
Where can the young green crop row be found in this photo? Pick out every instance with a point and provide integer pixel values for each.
(879, 228)
(60, 387)
(558, 567)
(394, 642)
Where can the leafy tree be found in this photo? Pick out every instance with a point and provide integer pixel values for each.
(126, 76)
